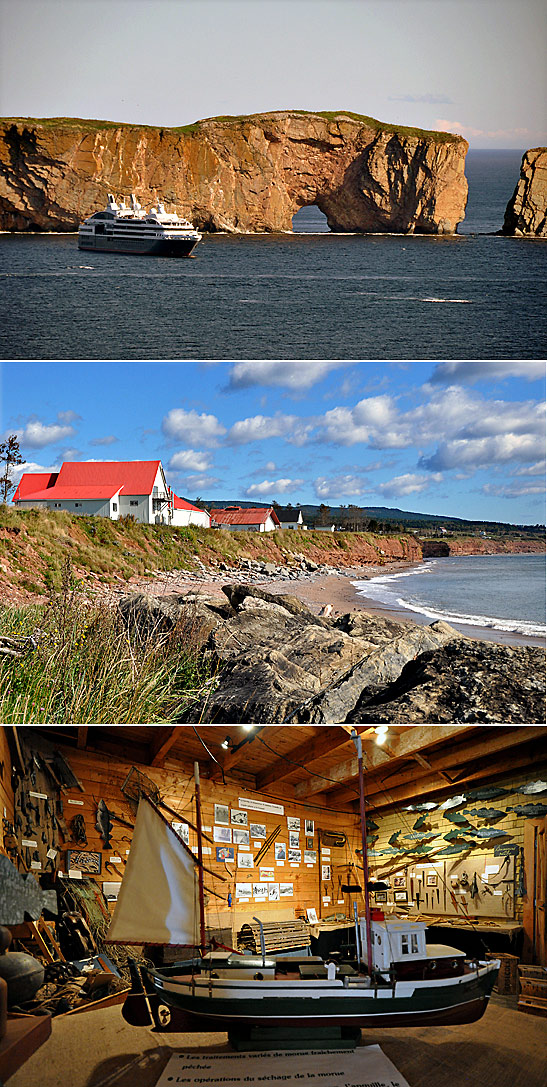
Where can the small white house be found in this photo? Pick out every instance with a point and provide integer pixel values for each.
(323, 528)
(237, 519)
(393, 940)
(290, 517)
(112, 489)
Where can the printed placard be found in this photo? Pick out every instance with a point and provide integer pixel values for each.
(367, 1066)
(261, 805)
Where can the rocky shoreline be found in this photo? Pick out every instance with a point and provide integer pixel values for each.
(275, 660)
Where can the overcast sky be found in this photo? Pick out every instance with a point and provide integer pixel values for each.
(476, 67)
(459, 438)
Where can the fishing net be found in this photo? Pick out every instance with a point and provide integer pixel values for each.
(90, 900)
(138, 784)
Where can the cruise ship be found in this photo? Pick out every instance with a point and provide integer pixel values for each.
(122, 229)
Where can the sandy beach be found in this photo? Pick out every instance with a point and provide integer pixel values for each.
(337, 589)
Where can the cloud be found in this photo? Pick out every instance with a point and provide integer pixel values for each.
(514, 490)
(261, 427)
(443, 125)
(537, 469)
(409, 483)
(430, 99)
(195, 482)
(372, 421)
(447, 373)
(32, 468)
(483, 452)
(296, 375)
(109, 439)
(67, 417)
(275, 486)
(35, 434)
(191, 428)
(188, 460)
(339, 487)
(72, 454)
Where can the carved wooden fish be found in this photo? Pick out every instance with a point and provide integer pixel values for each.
(456, 849)
(485, 813)
(488, 792)
(490, 832)
(420, 822)
(371, 825)
(454, 802)
(529, 810)
(456, 817)
(534, 788)
(393, 839)
(454, 835)
(422, 807)
(420, 836)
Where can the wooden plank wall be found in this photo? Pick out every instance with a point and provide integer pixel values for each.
(102, 778)
(6, 791)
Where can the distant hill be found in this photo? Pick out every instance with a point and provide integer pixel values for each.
(406, 518)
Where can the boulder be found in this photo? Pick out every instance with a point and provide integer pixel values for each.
(526, 212)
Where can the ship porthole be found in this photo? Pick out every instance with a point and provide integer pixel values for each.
(258, 977)
(164, 1015)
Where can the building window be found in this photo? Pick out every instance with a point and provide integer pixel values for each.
(77, 505)
(404, 945)
(133, 502)
(114, 507)
(414, 944)
(57, 505)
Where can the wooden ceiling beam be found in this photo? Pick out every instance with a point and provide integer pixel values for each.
(82, 736)
(499, 739)
(164, 739)
(403, 746)
(325, 741)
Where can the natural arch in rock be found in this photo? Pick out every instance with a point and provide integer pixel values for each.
(309, 219)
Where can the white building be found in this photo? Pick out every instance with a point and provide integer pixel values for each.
(290, 517)
(111, 489)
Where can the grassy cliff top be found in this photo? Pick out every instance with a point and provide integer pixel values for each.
(91, 125)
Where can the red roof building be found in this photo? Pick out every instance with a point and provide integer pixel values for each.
(237, 519)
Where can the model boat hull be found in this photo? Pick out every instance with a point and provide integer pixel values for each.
(304, 1004)
(149, 247)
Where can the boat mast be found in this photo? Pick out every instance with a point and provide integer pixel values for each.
(200, 860)
(359, 748)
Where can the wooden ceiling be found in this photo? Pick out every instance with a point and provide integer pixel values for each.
(317, 765)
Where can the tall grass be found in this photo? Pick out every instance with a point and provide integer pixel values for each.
(81, 665)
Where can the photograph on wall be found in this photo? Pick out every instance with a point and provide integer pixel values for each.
(293, 824)
(285, 890)
(399, 881)
(240, 837)
(325, 872)
(222, 834)
(309, 826)
(257, 830)
(310, 856)
(84, 861)
(239, 817)
(273, 892)
(309, 843)
(311, 915)
(222, 813)
(267, 874)
(245, 860)
(399, 896)
(295, 856)
(225, 852)
(260, 890)
(183, 831)
(294, 840)
(431, 879)
(280, 850)
(244, 890)
(380, 897)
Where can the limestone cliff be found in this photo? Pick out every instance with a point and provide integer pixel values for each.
(526, 212)
(237, 174)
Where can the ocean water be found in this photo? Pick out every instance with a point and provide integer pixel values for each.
(310, 294)
(504, 593)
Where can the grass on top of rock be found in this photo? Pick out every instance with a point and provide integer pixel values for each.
(80, 664)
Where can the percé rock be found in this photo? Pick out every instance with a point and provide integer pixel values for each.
(236, 174)
(276, 662)
(526, 212)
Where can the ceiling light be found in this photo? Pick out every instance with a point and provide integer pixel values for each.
(248, 728)
(226, 743)
(381, 733)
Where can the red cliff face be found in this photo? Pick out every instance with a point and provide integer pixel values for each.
(526, 211)
(247, 174)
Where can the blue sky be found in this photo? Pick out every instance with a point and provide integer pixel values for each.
(461, 438)
(476, 67)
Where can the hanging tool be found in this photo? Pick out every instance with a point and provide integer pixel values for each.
(103, 823)
(264, 849)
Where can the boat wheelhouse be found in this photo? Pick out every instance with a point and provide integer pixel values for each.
(123, 229)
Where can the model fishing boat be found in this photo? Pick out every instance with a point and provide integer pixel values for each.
(396, 979)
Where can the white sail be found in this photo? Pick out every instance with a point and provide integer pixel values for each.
(157, 899)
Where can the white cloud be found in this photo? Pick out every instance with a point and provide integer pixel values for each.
(273, 487)
(261, 427)
(36, 435)
(409, 483)
(443, 125)
(68, 416)
(32, 468)
(339, 487)
(295, 375)
(188, 460)
(194, 483)
(448, 372)
(513, 490)
(192, 428)
(109, 439)
(484, 452)
(537, 469)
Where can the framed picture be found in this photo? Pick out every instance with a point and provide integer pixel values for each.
(399, 896)
(294, 840)
(309, 826)
(84, 860)
(293, 824)
(280, 850)
(311, 914)
(273, 892)
(400, 882)
(183, 831)
(432, 879)
(240, 837)
(257, 830)
(225, 852)
(309, 843)
(222, 813)
(310, 856)
(285, 890)
(260, 890)
(325, 872)
(245, 860)
(380, 897)
(239, 817)
(244, 890)
(295, 856)
(222, 834)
